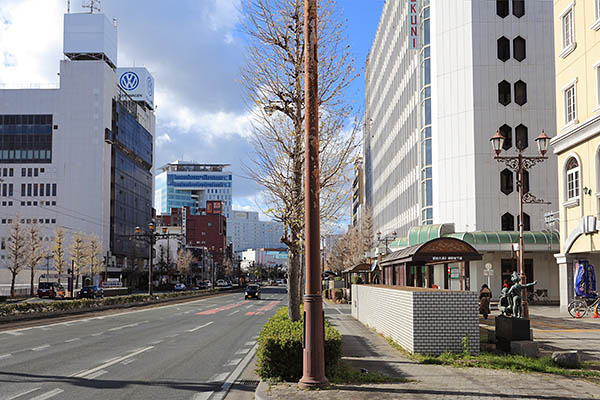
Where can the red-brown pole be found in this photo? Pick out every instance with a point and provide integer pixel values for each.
(314, 343)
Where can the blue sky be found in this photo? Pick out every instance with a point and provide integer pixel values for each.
(193, 48)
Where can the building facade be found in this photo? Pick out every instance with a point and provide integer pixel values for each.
(483, 67)
(577, 141)
(188, 184)
(79, 157)
(248, 232)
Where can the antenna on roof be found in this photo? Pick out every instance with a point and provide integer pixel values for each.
(93, 5)
(68, 6)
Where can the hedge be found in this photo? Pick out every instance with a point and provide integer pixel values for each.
(21, 309)
(279, 354)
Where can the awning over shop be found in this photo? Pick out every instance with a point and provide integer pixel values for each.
(436, 251)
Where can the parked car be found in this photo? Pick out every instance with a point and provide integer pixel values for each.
(202, 285)
(51, 290)
(221, 283)
(91, 292)
(179, 287)
(252, 291)
(208, 283)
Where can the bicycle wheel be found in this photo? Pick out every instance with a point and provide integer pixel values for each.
(577, 308)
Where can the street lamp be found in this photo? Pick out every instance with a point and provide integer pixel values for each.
(387, 238)
(520, 164)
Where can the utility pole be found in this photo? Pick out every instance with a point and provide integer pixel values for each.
(313, 372)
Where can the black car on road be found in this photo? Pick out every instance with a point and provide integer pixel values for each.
(91, 292)
(252, 291)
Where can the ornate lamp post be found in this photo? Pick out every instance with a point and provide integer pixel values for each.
(520, 164)
(390, 237)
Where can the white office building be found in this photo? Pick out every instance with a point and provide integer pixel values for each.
(248, 232)
(80, 156)
(478, 67)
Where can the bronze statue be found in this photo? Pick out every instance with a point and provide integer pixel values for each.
(510, 300)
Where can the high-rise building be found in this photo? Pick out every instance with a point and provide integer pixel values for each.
(577, 140)
(248, 232)
(189, 184)
(431, 106)
(80, 156)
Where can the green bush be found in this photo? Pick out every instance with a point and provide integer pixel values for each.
(279, 354)
(338, 294)
(357, 280)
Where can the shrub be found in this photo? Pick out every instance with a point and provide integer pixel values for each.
(357, 280)
(279, 354)
(338, 294)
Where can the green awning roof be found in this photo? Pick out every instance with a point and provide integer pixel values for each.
(506, 237)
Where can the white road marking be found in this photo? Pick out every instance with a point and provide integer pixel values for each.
(242, 351)
(97, 334)
(235, 361)
(125, 326)
(42, 347)
(113, 362)
(49, 394)
(128, 361)
(3, 356)
(20, 394)
(199, 327)
(72, 340)
(13, 333)
(234, 375)
(171, 336)
(156, 342)
(96, 374)
(202, 396)
(220, 377)
(250, 343)
(338, 310)
(249, 306)
(235, 312)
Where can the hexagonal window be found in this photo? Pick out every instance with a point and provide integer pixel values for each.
(504, 93)
(506, 181)
(521, 141)
(502, 8)
(506, 131)
(518, 8)
(526, 222)
(503, 49)
(519, 48)
(525, 181)
(508, 222)
(520, 92)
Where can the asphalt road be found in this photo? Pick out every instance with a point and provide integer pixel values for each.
(193, 350)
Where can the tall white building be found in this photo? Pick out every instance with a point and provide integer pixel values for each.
(478, 67)
(248, 232)
(80, 156)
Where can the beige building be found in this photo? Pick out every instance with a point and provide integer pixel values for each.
(577, 141)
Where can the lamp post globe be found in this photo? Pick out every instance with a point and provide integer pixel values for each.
(542, 143)
(497, 142)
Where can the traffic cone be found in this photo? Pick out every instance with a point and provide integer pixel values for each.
(595, 314)
(577, 314)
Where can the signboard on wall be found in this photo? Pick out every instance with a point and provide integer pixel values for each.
(214, 207)
(137, 83)
(413, 24)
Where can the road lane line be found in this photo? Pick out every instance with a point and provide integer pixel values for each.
(250, 343)
(20, 394)
(13, 333)
(202, 396)
(156, 342)
(235, 312)
(235, 361)
(96, 374)
(97, 334)
(3, 356)
(199, 327)
(234, 375)
(220, 377)
(49, 394)
(42, 347)
(72, 340)
(242, 351)
(128, 361)
(113, 362)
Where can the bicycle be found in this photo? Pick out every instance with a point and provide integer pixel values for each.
(579, 307)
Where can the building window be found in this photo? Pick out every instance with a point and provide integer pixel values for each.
(568, 38)
(572, 179)
(54, 189)
(506, 181)
(29, 190)
(519, 48)
(504, 93)
(526, 222)
(502, 8)
(569, 100)
(508, 222)
(521, 140)
(23, 172)
(503, 49)
(520, 92)
(525, 181)
(518, 7)
(506, 131)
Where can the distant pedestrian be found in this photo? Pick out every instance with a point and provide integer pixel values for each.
(485, 295)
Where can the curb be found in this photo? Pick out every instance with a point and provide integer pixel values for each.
(261, 391)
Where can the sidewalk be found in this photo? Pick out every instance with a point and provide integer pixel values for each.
(363, 348)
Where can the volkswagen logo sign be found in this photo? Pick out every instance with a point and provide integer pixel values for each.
(129, 80)
(150, 87)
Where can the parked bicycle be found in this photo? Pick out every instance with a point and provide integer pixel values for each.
(538, 296)
(579, 307)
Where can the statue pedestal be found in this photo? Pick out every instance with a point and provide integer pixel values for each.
(511, 330)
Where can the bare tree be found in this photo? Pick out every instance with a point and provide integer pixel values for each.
(57, 247)
(34, 253)
(77, 251)
(184, 261)
(274, 77)
(93, 255)
(16, 251)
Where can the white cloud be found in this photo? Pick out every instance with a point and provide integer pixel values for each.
(162, 139)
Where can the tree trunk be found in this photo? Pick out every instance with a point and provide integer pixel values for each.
(31, 283)
(12, 284)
